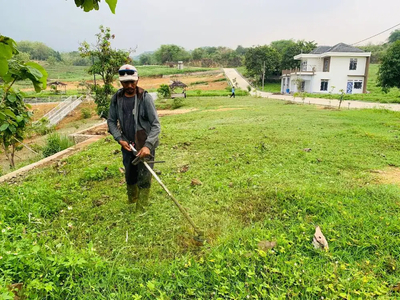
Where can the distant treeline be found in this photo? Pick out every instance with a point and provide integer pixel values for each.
(39, 51)
(278, 55)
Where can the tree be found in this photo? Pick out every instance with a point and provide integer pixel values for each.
(38, 50)
(171, 53)
(147, 59)
(14, 114)
(107, 61)
(258, 57)
(88, 5)
(377, 51)
(394, 36)
(199, 53)
(241, 50)
(294, 49)
(282, 45)
(389, 70)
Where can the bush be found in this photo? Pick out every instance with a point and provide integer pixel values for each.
(178, 102)
(56, 143)
(102, 99)
(42, 127)
(164, 91)
(86, 113)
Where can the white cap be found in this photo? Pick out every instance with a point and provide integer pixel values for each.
(130, 74)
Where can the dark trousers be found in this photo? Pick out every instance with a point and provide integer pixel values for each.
(136, 174)
(233, 95)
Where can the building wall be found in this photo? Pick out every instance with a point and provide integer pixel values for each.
(316, 63)
(338, 75)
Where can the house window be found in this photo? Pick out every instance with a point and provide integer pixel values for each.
(353, 64)
(358, 85)
(324, 85)
(327, 61)
(304, 65)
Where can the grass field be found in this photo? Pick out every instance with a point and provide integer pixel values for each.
(77, 73)
(67, 232)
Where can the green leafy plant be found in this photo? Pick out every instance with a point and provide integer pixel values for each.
(107, 61)
(177, 103)
(164, 91)
(102, 99)
(88, 5)
(86, 113)
(56, 143)
(42, 127)
(14, 113)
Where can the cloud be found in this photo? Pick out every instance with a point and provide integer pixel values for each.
(189, 23)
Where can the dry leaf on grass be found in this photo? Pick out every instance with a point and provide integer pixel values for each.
(195, 182)
(184, 169)
(319, 240)
(266, 245)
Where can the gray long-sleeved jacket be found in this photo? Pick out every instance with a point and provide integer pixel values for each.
(147, 124)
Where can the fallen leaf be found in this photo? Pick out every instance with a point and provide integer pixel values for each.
(211, 128)
(195, 182)
(122, 170)
(307, 149)
(266, 245)
(15, 288)
(319, 240)
(184, 169)
(396, 288)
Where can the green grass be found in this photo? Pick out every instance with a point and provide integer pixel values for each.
(77, 73)
(152, 71)
(67, 232)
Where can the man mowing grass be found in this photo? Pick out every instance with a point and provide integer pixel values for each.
(133, 119)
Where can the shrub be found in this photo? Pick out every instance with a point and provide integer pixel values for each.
(86, 113)
(56, 143)
(102, 99)
(178, 102)
(42, 127)
(164, 91)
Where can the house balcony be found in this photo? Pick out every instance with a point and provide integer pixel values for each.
(298, 72)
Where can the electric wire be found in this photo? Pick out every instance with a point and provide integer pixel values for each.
(376, 35)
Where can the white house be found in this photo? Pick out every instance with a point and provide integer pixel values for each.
(329, 70)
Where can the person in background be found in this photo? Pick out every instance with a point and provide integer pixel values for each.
(233, 92)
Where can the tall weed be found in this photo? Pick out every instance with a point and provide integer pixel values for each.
(56, 143)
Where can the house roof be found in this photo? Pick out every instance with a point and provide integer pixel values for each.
(341, 47)
(177, 83)
(320, 50)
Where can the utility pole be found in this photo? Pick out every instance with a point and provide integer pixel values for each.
(263, 76)
(94, 74)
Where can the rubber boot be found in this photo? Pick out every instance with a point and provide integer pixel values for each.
(132, 191)
(143, 200)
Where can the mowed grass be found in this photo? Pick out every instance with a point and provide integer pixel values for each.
(67, 231)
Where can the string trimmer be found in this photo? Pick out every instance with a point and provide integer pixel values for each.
(200, 234)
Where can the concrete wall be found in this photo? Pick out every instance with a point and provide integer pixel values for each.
(339, 74)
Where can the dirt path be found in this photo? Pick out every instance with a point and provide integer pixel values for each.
(205, 82)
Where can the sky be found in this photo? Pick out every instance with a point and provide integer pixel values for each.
(147, 24)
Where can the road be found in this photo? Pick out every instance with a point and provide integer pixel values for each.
(234, 76)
